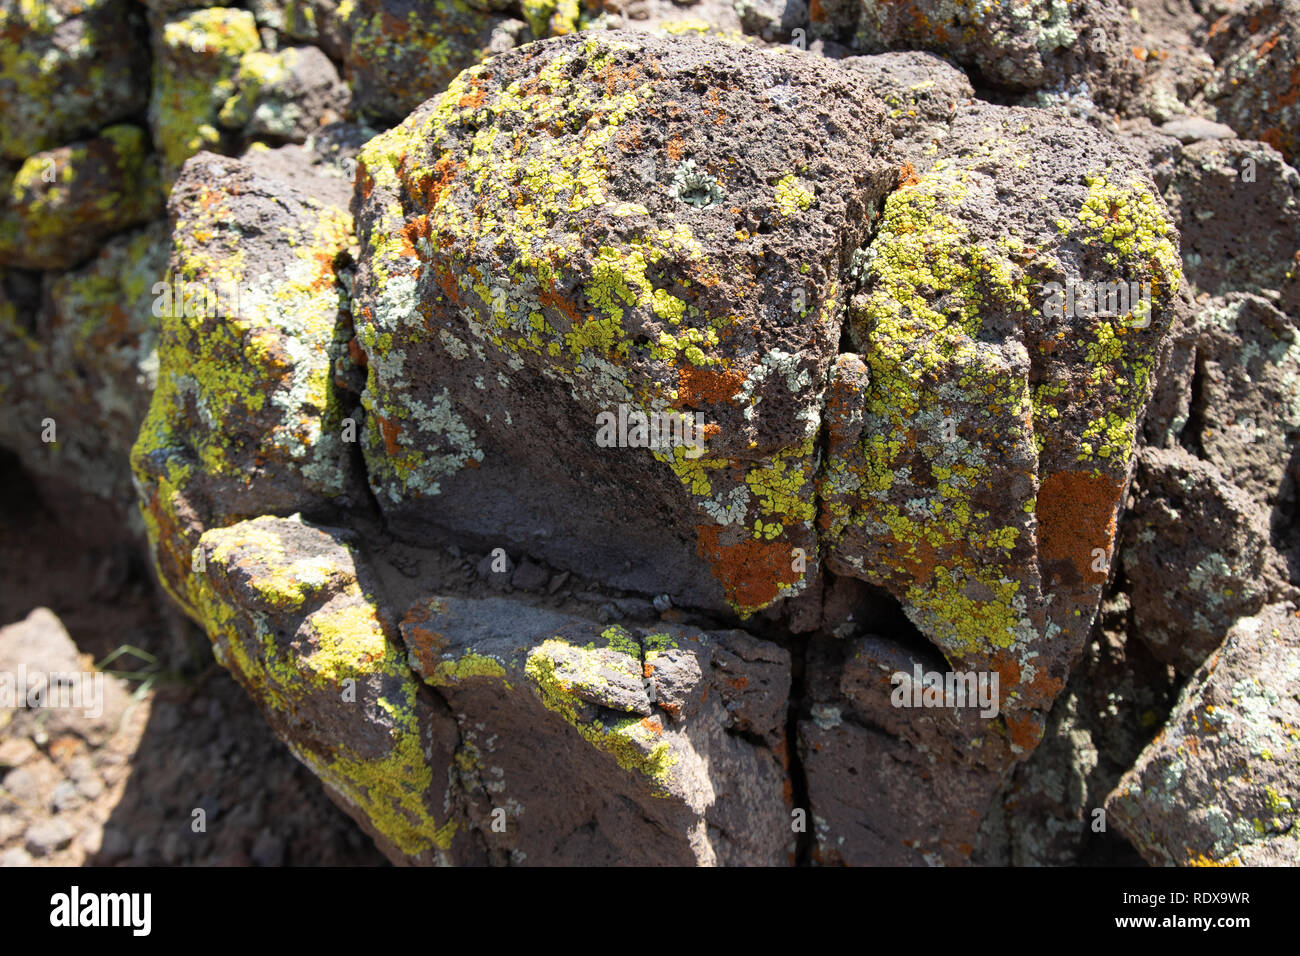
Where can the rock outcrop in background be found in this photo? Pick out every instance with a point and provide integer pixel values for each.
(372, 321)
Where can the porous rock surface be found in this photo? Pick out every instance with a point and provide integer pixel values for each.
(526, 266)
(531, 253)
(1217, 785)
(401, 287)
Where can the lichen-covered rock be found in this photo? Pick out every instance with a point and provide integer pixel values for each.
(1050, 812)
(316, 22)
(720, 18)
(197, 57)
(1194, 550)
(1218, 785)
(1176, 68)
(980, 442)
(285, 95)
(401, 52)
(90, 364)
(63, 203)
(922, 93)
(626, 226)
(1085, 46)
(67, 69)
(1257, 87)
(245, 419)
(610, 745)
(294, 617)
(1231, 393)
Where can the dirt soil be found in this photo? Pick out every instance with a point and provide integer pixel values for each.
(191, 740)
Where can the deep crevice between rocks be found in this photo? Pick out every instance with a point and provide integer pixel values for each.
(1189, 436)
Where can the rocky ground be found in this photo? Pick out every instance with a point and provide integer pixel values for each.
(122, 791)
(313, 310)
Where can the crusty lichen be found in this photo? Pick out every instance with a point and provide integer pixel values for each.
(507, 196)
(339, 648)
(244, 376)
(631, 743)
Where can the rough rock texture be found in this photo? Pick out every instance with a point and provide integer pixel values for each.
(513, 286)
(90, 351)
(245, 419)
(67, 68)
(293, 617)
(1194, 553)
(1228, 397)
(978, 446)
(1219, 189)
(610, 745)
(398, 53)
(1218, 785)
(284, 95)
(887, 786)
(1044, 43)
(1256, 88)
(922, 93)
(1051, 811)
(840, 263)
(196, 66)
(62, 203)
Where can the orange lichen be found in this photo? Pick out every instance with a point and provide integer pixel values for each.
(1076, 516)
(698, 386)
(751, 572)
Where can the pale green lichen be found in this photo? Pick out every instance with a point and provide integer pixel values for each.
(197, 59)
(511, 196)
(219, 372)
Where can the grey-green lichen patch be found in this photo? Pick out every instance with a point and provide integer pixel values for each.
(695, 186)
(1218, 785)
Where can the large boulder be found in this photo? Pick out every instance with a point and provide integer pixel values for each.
(980, 440)
(606, 228)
